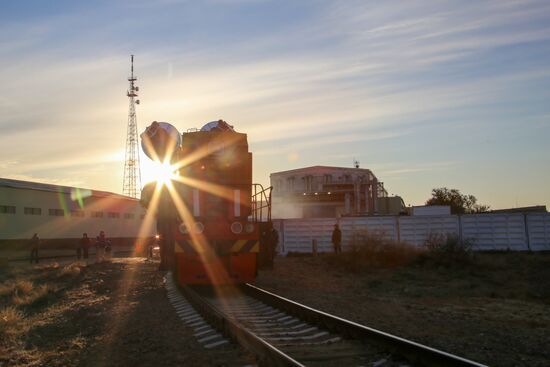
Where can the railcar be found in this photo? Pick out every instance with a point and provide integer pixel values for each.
(219, 213)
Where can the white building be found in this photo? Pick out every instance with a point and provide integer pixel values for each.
(322, 191)
(62, 214)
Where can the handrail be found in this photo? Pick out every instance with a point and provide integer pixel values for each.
(261, 199)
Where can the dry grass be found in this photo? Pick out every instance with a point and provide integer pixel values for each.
(39, 294)
(10, 321)
(27, 296)
(375, 250)
(72, 270)
(16, 287)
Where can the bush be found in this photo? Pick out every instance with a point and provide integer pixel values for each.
(449, 249)
(375, 250)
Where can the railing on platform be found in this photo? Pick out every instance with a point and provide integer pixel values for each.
(261, 201)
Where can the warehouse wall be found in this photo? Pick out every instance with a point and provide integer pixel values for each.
(126, 219)
(517, 232)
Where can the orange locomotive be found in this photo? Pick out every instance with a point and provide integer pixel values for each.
(220, 212)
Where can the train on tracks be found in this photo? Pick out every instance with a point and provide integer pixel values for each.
(213, 221)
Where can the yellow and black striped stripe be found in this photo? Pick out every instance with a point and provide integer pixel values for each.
(246, 246)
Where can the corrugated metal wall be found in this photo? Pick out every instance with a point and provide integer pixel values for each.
(538, 228)
(517, 232)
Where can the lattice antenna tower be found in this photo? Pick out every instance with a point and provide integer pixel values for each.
(132, 173)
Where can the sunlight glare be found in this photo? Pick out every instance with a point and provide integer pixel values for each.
(162, 173)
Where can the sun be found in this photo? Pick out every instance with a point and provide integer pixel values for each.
(161, 172)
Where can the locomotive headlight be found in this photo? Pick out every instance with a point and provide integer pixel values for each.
(249, 227)
(236, 227)
(183, 228)
(198, 227)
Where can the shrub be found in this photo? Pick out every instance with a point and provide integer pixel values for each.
(449, 249)
(375, 250)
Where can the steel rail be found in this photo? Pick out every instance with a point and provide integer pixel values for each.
(414, 352)
(266, 353)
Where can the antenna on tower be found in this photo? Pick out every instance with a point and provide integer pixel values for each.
(355, 163)
(131, 185)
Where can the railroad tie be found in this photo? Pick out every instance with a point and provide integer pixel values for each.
(203, 332)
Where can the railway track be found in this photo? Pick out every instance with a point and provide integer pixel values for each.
(281, 332)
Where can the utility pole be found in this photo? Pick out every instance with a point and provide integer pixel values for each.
(132, 174)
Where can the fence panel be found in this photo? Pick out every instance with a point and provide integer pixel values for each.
(386, 226)
(495, 231)
(299, 233)
(486, 231)
(416, 230)
(538, 226)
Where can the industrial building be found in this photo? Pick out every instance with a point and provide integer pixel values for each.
(323, 191)
(61, 214)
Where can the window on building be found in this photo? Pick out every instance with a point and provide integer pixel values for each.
(97, 214)
(328, 178)
(129, 216)
(113, 215)
(33, 211)
(56, 212)
(7, 209)
(77, 213)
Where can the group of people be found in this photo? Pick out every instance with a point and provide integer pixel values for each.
(102, 245)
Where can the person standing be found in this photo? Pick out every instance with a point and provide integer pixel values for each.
(337, 239)
(35, 244)
(85, 243)
(100, 246)
(272, 241)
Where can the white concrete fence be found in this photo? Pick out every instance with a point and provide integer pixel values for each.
(516, 232)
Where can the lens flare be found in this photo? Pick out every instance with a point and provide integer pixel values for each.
(162, 172)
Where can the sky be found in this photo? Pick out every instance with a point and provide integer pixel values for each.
(426, 94)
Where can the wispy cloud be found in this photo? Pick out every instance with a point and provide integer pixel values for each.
(295, 76)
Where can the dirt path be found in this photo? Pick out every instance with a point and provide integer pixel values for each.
(499, 316)
(113, 314)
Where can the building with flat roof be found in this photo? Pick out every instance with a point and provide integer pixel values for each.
(61, 213)
(324, 191)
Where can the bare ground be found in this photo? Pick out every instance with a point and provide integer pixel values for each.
(107, 314)
(495, 311)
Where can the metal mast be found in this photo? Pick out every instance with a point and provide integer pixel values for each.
(132, 174)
